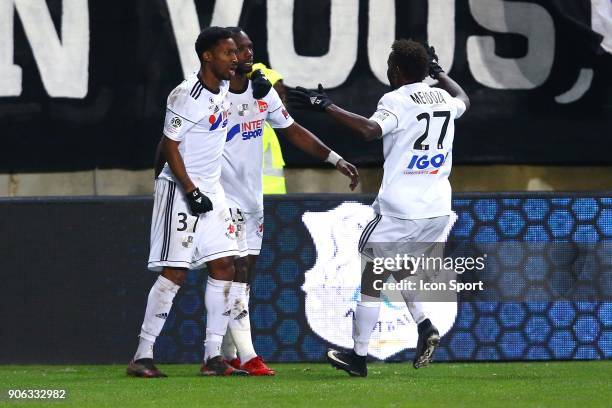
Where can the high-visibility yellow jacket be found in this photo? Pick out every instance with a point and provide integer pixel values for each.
(273, 163)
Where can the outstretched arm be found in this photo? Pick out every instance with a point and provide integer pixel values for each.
(304, 140)
(319, 101)
(366, 128)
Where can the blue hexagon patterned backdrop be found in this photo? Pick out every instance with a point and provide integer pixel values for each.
(502, 329)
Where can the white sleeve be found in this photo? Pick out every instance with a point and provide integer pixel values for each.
(386, 115)
(278, 117)
(461, 108)
(179, 118)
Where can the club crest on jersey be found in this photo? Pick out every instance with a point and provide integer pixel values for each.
(249, 130)
(243, 109)
(423, 164)
(218, 121)
(333, 284)
(262, 106)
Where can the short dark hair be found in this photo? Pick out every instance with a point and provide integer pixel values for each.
(235, 30)
(411, 58)
(209, 37)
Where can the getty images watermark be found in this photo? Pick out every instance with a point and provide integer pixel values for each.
(507, 271)
(421, 271)
(424, 266)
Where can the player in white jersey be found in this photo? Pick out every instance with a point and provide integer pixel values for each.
(413, 205)
(191, 221)
(253, 102)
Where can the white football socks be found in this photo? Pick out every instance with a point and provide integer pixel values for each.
(240, 323)
(415, 308)
(228, 347)
(218, 299)
(366, 316)
(159, 304)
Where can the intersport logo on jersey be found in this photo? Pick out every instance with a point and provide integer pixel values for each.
(248, 130)
(332, 286)
(216, 120)
(425, 164)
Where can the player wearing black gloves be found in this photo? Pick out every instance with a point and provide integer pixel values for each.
(302, 97)
(191, 224)
(434, 67)
(260, 84)
(416, 123)
(198, 202)
(254, 102)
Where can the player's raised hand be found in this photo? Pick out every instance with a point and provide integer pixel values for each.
(303, 98)
(260, 84)
(198, 202)
(350, 171)
(434, 67)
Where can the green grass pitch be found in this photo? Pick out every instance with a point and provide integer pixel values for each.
(534, 384)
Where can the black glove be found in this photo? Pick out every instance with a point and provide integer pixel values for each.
(198, 202)
(302, 98)
(260, 84)
(434, 67)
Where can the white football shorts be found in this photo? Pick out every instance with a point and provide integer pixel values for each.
(384, 234)
(181, 240)
(250, 231)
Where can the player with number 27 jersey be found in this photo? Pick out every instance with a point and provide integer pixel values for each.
(418, 128)
(413, 206)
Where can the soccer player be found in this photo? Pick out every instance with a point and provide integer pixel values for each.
(416, 123)
(253, 102)
(191, 223)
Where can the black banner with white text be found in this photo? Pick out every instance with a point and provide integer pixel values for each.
(83, 84)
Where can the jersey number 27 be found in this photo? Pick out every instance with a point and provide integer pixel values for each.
(418, 144)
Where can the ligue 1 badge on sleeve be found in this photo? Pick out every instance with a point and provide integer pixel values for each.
(176, 122)
(173, 125)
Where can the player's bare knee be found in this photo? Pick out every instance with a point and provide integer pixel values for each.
(242, 266)
(222, 269)
(402, 274)
(176, 275)
(370, 281)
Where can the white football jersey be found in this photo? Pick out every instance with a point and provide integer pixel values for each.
(197, 118)
(418, 129)
(241, 175)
